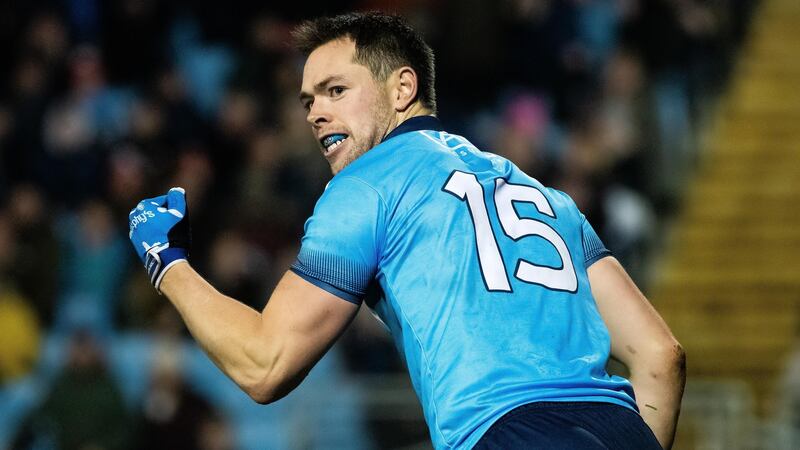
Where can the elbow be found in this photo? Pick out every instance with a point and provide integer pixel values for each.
(680, 354)
(670, 360)
(267, 386)
(262, 398)
(260, 378)
(673, 355)
(260, 394)
(659, 360)
(258, 382)
(679, 360)
(262, 390)
(271, 377)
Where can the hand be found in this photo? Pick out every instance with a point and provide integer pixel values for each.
(159, 232)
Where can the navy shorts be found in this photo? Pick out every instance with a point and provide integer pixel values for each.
(569, 426)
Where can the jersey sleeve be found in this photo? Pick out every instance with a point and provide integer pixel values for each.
(593, 248)
(341, 245)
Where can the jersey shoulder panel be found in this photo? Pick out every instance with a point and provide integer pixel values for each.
(593, 247)
(343, 239)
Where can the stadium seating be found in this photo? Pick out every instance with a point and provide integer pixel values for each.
(730, 284)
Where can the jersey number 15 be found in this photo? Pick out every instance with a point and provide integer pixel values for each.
(466, 187)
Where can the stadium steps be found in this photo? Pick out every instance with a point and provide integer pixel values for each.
(729, 284)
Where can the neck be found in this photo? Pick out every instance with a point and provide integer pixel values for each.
(416, 109)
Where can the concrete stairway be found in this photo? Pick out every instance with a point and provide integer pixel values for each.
(729, 285)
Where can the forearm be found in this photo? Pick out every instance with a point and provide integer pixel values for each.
(267, 354)
(642, 341)
(226, 329)
(658, 395)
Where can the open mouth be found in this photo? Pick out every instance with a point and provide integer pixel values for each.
(333, 141)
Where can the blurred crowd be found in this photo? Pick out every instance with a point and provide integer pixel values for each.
(105, 103)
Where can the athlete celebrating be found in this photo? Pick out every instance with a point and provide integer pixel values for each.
(502, 300)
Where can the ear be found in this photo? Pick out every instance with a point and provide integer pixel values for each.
(404, 89)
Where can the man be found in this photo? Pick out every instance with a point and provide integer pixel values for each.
(499, 295)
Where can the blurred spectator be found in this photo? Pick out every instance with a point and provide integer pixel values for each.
(19, 326)
(597, 29)
(84, 409)
(236, 122)
(623, 111)
(93, 266)
(630, 229)
(36, 263)
(275, 189)
(172, 415)
(22, 149)
(215, 435)
(526, 135)
(180, 121)
(237, 268)
(368, 347)
(127, 178)
(47, 38)
(266, 51)
(20, 333)
(258, 181)
(544, 51)
(205, 66)
(76, 128)
(140, 303)
(679, 43)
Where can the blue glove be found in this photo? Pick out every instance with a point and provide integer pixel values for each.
(159, 232)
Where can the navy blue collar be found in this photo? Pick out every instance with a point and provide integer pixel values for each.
(415, 123)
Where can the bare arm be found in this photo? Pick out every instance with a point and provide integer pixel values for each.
(642, 341)
(269, 353)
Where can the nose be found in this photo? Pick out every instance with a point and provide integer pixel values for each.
(318, 114)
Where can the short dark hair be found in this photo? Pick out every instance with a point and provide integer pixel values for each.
(384, 43)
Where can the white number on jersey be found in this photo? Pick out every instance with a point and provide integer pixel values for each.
(466, 187)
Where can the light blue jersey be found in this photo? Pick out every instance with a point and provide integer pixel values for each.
(480, 274)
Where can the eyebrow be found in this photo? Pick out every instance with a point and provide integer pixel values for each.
(321, 86)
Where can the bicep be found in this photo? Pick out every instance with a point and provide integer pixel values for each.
(304, 321)
(316, 300)
(636, 328)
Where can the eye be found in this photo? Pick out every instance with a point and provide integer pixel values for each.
(307, 104)
(336, 91)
